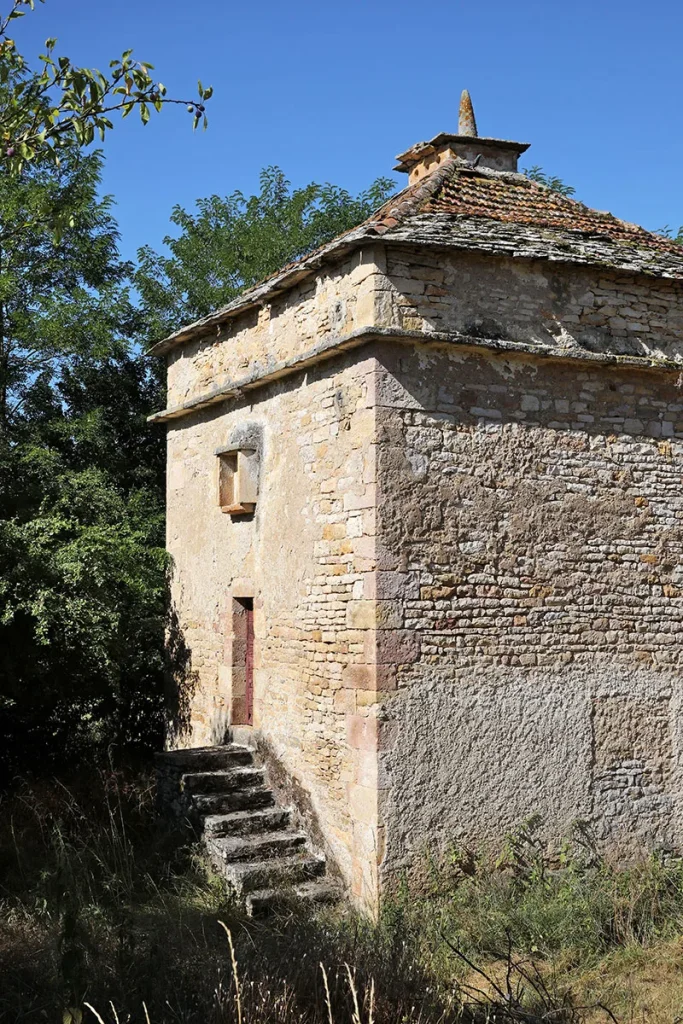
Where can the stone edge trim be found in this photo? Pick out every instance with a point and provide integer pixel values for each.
(390, 214)
(332, 347)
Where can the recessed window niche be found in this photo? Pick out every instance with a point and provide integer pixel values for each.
(237, 480)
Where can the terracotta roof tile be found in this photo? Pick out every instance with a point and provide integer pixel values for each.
(516, 199)
(477, 209)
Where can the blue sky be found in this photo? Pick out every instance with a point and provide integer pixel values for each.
(331, 91)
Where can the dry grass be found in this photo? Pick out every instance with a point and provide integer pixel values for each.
(105, 916)
(638, 984)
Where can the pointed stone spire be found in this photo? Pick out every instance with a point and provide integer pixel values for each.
(494, 154)
(467, 124)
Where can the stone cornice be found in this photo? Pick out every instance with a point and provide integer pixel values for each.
(333, 346)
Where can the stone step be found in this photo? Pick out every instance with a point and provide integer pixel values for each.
(255, 848)
(251, 799)
(223, 781)
(250, 876)
(318, 892)
(246, 823)
(206, 758)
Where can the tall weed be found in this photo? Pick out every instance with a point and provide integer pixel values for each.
(100, 905)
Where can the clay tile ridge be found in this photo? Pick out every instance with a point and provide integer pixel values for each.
(390, 215)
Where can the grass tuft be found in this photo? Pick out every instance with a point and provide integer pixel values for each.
(105, 916)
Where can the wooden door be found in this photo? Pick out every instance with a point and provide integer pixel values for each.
(242, 661)
(249, 663)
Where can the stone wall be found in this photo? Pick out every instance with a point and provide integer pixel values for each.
(534, 302)
(338, 301)
(465, 566)
(530, 533)
(306, 557)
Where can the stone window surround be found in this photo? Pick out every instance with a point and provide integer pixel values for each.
(237, 479)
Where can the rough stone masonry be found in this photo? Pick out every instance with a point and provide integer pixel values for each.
(439, 461)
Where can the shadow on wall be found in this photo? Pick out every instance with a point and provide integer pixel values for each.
(180, 679)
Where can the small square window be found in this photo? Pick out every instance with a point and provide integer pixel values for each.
(237, 481)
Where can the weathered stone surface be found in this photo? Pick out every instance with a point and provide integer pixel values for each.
(545, 545)
(254, 844)
(304, 557)
(464, 558)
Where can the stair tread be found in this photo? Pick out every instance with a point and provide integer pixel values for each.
(306, 857)
(244, 770)
(234, 777)
(255, 843)
(252, 821)
(279, 870)
(258, 788)
(316, 890)
(261, 796)
(244, 791)
(313, 887)
(190, 759)
(235, 817)
(180, 752)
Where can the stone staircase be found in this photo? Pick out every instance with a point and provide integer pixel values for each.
(251, 841)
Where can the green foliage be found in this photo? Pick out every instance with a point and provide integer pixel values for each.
(572, 902)
(81, 618)
(57, 298)
(232, 242)
(62, 107)
(668, 233)
(537, 173)
(82, 566)
(99, 905)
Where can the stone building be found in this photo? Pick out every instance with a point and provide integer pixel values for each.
(425, 506)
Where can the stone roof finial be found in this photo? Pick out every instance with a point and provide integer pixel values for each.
(467, 124)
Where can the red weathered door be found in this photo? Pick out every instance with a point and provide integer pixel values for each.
(249, 666)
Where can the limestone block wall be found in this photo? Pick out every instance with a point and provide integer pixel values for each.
(307, 558)
(339, 300)
(534, 302)
(530, 545)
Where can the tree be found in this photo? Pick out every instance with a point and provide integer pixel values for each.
(555, 184)
(668, 233)
(56, 300)
(61, 106)
(82, 564)
(232, 242)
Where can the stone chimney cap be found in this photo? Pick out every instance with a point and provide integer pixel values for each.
(467, 145)
(421, 149)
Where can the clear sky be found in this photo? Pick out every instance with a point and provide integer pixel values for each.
(332, 90)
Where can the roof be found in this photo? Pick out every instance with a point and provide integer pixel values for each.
(476, 209)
